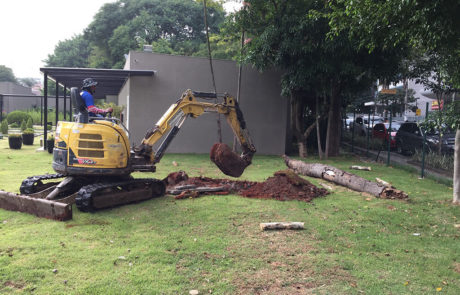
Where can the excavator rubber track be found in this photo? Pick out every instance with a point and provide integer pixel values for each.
(98, 196)
(35, 184)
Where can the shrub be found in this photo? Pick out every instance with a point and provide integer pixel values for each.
(30, 123)
(28, 131)
(433, 159)
(49, 127)
(4, 127)
(23, 125)
(17, 117)
(14, 125)
(15, 141)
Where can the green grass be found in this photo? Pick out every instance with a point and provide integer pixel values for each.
(353, 243)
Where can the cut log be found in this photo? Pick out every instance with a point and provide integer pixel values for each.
(383, 182)
(328, 187)
(281, 225)
(365, 168)
(344, 178)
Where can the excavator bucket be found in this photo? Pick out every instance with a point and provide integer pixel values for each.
(37, 206)
(228, 162)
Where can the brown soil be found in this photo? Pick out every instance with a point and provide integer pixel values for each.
(284, 185)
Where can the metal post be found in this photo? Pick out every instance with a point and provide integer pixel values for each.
(353, 132)
(389, 138)
(70, 113)
(368, 131)
(57, 102)
(45, 108)
(423, 146)
(41, 110)
(65, 103)
(1, 107)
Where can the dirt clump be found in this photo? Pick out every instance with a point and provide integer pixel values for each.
(226, 160)
(284, 185)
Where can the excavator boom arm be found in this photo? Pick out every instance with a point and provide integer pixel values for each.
(188, 106)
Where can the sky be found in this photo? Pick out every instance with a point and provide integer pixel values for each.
(30, 29)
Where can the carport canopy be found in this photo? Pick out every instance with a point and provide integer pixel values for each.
(110, 82)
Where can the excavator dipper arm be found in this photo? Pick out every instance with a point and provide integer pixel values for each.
(188, 106)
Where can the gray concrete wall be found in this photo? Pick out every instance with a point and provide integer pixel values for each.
(13, 88)
(147, 98)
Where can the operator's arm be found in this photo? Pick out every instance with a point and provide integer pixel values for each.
(89, 101)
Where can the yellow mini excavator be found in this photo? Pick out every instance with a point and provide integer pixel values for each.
(94, 161)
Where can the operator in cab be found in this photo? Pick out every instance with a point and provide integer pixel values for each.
(87, 91)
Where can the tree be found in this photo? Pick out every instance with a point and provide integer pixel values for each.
(127, 25)
(434, 78)
(396, 103)
(72, 52)
(430, 27)
(28, 82)
(292, 35)
(6, 74)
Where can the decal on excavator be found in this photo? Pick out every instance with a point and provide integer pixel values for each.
(84, 161)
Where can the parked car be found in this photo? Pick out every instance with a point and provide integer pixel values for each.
(380, 130)
(410, 138)
(363, 125)
(358, 126)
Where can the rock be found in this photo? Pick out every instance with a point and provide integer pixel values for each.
(194, 292)
(55, 270)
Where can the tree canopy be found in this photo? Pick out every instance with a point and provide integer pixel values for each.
(72, 52)
(124, 25)
(171, 26)
(6, 74)
(293, 35)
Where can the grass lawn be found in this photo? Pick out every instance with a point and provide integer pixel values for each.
(353, 243)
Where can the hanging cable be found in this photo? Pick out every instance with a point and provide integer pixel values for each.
(238, 93)
(219, 128)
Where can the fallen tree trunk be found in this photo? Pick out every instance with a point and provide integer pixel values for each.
(344, 178)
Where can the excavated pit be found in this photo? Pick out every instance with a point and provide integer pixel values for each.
(228, 162)
(284, 185)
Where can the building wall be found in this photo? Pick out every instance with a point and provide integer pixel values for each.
(13, 88)
(11, 103)
(147, 98)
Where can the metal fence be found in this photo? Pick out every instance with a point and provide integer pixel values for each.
(12, 102)
(360, 135)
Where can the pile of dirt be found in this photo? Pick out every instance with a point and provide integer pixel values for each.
(284, 185)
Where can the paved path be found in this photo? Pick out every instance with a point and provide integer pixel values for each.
(399, 160)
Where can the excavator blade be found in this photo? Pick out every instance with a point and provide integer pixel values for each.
(36, 206)
(228, 162)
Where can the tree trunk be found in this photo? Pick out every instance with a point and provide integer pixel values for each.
(457, 168)
(297, 115)
(318, 133)
(344, 178)
(297, 124)
(333, 123)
